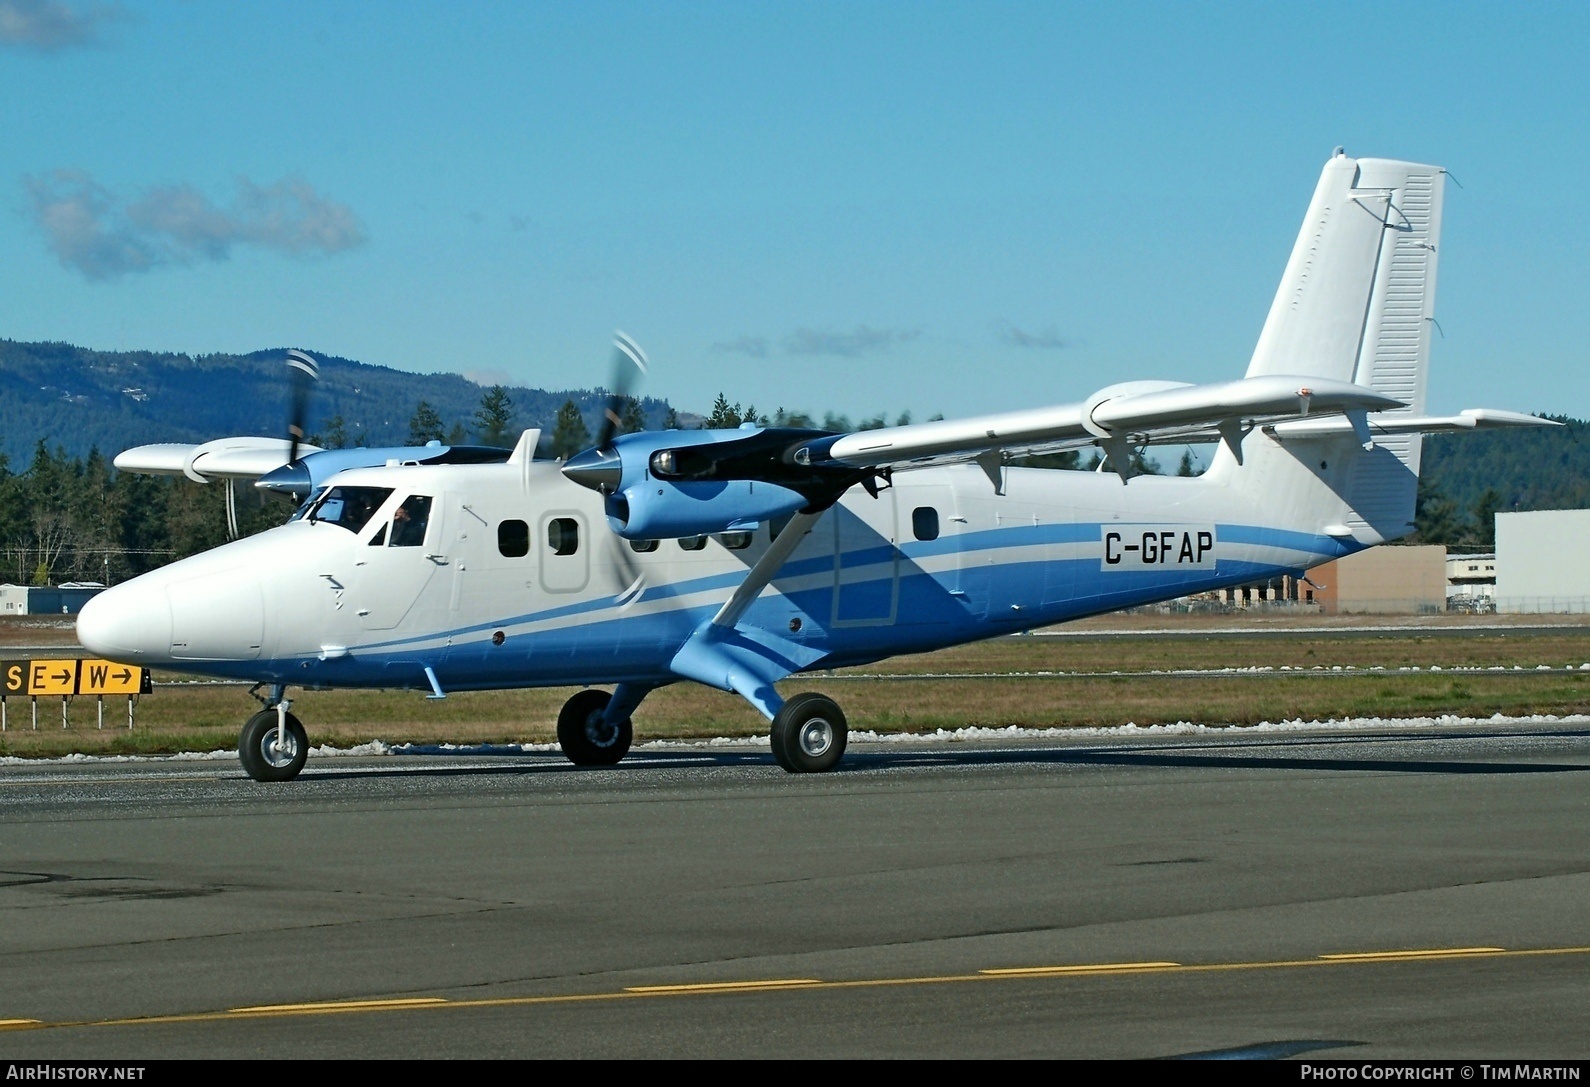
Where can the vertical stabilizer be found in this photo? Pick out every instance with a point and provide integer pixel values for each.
(1356, 304)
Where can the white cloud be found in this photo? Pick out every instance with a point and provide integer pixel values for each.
(90, 229)
(755, 346)
(1047, 340)
(48, 25)
(858, 341)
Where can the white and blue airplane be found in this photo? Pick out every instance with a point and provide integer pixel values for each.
(738, 558)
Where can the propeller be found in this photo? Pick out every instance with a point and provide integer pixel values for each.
(303, 372)
(628, 358)
(599, 467)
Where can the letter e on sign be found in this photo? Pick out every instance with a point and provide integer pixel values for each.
(52, 677)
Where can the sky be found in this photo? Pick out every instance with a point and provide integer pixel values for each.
(858, 207)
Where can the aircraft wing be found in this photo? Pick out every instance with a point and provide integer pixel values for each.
(224, 458)
(1134, 413)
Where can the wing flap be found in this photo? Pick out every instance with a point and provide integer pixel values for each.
(1468, 419)
(1140, 412)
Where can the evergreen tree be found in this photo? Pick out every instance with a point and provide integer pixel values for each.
(336, 435)
(494, 420)
(1436, 516)
(671, 420)
(1186, 467)
(723, 416)
(631, 420)
(425, 425)
(1485, 510)
(457, 435)
(569, 434)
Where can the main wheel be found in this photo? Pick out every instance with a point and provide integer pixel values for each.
(809, 734)
(587, 739)
(262, 758)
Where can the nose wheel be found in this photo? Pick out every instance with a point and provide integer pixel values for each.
(809, 734)
(585, 734)
(273, 746)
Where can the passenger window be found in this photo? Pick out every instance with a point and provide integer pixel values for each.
(693, 543)
(643, 547)
(350, 507)
(925, 523)
(563, 535)
(513, 539)
(408, 523)
(735, 541)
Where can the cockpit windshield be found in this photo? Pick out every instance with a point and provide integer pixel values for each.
(349, 507)
(306, 505)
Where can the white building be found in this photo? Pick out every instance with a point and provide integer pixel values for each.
(1471, 582)
(1543, 561)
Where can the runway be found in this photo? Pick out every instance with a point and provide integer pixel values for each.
(1357, 895)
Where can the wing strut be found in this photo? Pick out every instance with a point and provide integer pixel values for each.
(766, 568)
(749, 662)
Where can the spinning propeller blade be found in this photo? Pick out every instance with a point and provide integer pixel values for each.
(627, 359)
(303, 372)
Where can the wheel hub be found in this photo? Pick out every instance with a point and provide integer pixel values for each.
(280, 755)
(816, 737)
(599, 731)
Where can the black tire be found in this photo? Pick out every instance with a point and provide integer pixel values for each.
(585, 738)
(809, 734)
(256, 748)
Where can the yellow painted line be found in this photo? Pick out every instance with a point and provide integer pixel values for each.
(1095, 968)
(650, 992)
(337, 1006)
(725, 986)
(1392, 956)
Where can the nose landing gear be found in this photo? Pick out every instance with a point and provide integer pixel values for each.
(273, 745)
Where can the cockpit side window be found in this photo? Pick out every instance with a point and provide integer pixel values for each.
(349, 507)
(408, 523)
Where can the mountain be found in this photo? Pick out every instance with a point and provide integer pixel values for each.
(77, 399)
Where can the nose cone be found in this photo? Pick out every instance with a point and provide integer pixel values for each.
(598, 469)
(130, 622)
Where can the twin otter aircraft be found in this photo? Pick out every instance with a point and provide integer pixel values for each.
(737, 558)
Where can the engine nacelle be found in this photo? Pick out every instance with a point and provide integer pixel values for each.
(658, 509)
(671, 484)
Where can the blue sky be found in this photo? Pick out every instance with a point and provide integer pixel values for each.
(861, 207)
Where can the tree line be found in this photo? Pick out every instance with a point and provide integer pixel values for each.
(77, 519)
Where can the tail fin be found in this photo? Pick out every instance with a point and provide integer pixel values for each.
(1356, 304)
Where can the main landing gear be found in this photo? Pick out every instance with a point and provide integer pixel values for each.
(587, 737)
(273, 744)
(809, 734)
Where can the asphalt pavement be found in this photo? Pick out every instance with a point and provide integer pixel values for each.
(1342, 894)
